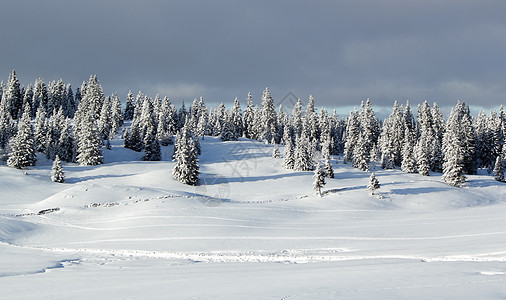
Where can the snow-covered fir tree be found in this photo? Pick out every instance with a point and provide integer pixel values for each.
(130, 106)
(303, 154)
(352, 136)
(13, 96)
(22, 146)
(408, 163)
(499, 169)
(329, 171)
(268, 117)
(236, 119)
(89, 143)
(249, 118)
(57, 173)
(454, 149)
(318, 179)
(275, 151)
(289, 155)
(373, 184)
(186, 167)
(66, 145)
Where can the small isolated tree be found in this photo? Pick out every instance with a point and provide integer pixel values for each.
(57, 174)
(373, 184)
(319, 179)
(499, 170)
(275, 151)
(329, 171)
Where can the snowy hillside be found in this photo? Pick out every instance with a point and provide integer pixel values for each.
(250, 230)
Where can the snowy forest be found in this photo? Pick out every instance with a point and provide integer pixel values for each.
(77, 126)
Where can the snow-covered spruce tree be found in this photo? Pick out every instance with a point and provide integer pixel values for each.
(361, 157)
(352, 135)
(27, 98)
(275, 151)
(105, 119)
(40, 129)
(151, 145)
(249, 118)
(303, 154)
(116, 115)
(311, 123)
(499, 170)
(65, 148)
(94, 96)
(40, 96)
(391, 138)
(228, 132)
(438, 126)
(453, 150)
(289, 155)
(89, 143)
(22, 149)
(369, 126)
(268, 117)
(373, 183)
(166, 126)
(329, 171)
(130, 106)
(297, 121)
(71, 101)
(318, 179)
(57, 173)
(236, 119)
(423, 151)
(7, 125)
(186, 168)
(13, 96)
(408, 164)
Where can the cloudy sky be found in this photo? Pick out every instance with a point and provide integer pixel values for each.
(340, 51)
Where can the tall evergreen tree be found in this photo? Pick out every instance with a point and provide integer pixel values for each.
(22, 149)
(454, 149)
(130, 106)
(268, 117)
(89, 143)
(499, 169)
(318, 179)
(303, 153)
(13, 96)
(186, 168)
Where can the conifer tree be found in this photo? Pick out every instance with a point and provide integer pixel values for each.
(186, 168)
(318, 179)
(275, 151)
(329, 171)
(373, 183)
(22, 149)
(453, 149)
(236, 119)
(303, 154)
(297, 118)
(130, 106)
(352, 136)
(289, 155)
(57, 173)
(13, 96)
(89, 143)
(408, 164)
(268, 119)
(249, 118)
(499, 170)
(66, 144)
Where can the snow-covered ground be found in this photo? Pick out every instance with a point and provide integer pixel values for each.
(251, 230)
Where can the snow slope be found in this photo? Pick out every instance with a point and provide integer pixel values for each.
(251, 230)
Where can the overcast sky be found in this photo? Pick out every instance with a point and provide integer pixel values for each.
(342, 52)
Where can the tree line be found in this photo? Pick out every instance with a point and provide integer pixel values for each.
(77, 126)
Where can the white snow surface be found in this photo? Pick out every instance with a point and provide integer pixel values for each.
(250, 230)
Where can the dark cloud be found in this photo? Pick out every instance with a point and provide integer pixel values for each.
(339, 51)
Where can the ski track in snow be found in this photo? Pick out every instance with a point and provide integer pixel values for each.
(284, 256)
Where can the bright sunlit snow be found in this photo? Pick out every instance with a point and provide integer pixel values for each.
(250, 230)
